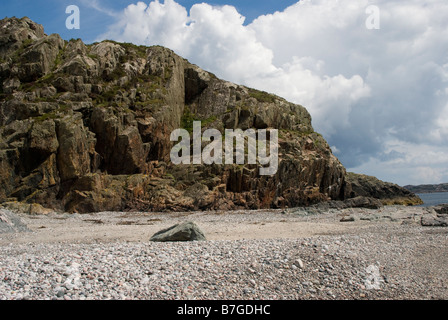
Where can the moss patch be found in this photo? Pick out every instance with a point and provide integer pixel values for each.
(262, 96)
(186, 122)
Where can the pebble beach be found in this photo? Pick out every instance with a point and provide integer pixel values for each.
(272, 255)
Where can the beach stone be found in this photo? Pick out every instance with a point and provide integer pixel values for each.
(441, 208)
(347, 219)
(363, 202)
(299, 263)
(186, 231)
(10, 222)
(434, 222)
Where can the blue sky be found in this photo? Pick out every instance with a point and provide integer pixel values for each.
(379, 95)
(51, 13)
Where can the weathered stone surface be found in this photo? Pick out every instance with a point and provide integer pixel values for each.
(10, 222)
(429, 221)
(97, 192)
(20, 207)
(186, 231)
(14, 32)
(108, 56)
(86, 128)
(39, 58)
(357, 202)
(347, 219)
(75, 146)
(42, 140)
(441, 209)
(388, 193)
(363, 202)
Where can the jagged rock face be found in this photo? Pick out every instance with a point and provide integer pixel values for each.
(87, 128)
(14, 33)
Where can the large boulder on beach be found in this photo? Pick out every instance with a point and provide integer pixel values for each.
(186, 231)
(438, 216)
(363, 202)
(430, 221)
(441, 209)
(10, 222)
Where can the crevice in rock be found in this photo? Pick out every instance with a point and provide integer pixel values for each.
(194, 85)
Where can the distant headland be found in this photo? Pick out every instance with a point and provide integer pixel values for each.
(428, 188)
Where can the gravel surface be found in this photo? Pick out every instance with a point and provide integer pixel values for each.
(351, 260)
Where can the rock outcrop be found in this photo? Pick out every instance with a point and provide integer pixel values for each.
(389, 193)
(428, 221)
(87, 128)
(11, 223)
(441, 209)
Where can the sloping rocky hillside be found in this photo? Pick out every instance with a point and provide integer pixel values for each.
(428, 188)
(86, 128)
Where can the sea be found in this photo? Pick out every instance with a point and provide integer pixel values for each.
(433, 199)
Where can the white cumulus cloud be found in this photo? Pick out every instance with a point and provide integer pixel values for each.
(362, 87)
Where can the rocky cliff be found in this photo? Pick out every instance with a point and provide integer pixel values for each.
(87, 128)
